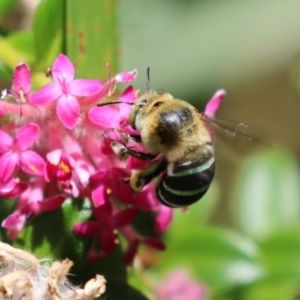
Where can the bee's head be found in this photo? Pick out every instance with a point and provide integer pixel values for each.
(144, 105)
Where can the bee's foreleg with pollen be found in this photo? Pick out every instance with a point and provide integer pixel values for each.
(121, 150)
(142, 177)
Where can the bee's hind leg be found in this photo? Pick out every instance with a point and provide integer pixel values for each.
(142, 177)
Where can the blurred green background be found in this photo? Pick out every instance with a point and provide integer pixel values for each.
(243, 239)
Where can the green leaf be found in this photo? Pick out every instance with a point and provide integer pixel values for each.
(7, 207)
(5, 72)
(281, 254)
(268, 193)
(221, 258)
(269, 291)
(23, 41)
(11, 55)
(6, 5)
(92, 36)
(48, 30)
(117, 289)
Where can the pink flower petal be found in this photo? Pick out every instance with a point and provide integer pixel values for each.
(99, 177)
(128, 94)
(86, 229)
(131, 251)
(134, 163)
(21, 78)
(15, 223)
(126, 76)
(64, 168)
(103, 212)
(163, 219)
(124, 217)
(8, 163)
(49, 172)
(26, 135)
(107, 238)
(145, 200)
(180, 285)
(5, 141)
(7, 186)
(32, 163)
(54, 156)
(154, 242)
(46, 94)
(104, 116)
(120, 189)
(82, 87)
(62, 69)
(68, 110)
(99, 195)
(17, 191)
(214, 103)
(46, 205)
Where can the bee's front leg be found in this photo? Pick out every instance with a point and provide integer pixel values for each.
(122, 150)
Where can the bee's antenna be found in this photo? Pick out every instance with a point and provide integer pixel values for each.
(114, 102)
(148, 78)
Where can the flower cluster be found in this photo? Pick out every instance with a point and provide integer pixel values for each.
(55, 147)
(52, 147)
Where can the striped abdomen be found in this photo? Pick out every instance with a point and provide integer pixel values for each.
(185, 183)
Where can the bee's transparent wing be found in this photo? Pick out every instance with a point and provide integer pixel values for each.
(238, 135)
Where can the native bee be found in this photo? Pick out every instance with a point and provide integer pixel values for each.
(179, 144)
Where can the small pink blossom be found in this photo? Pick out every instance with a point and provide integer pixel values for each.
(65, 89)
(134, 240)
(14, 223)
(110, 117)
(15, 152)
(58, 165)
(126, 76)
(145, 200)
(109, 182)
(214, 103)
(105, 225)
(31, 202)
(12, 188)
(179, 285)
(21, 84)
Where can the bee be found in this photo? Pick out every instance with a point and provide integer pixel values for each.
(179, 144)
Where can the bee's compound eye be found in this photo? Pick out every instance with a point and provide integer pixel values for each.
(133, 115)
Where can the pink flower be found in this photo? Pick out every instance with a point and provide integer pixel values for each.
(21, 84)
(58, 165)
(15, 152)
(214, 103)
(109, 181)
(12, 188)
(105, 225)
(126, 76)
(14, 223)
(145, 200)
(75, 160)
(134, 240)
(110, 117)
(66, 90)
(178, 285)
(31, 202)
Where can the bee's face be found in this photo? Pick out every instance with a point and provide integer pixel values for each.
(145, 105)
